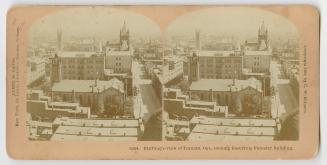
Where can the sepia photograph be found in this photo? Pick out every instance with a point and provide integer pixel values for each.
(217, 74)
(86, 78)
(162, 82)
(233, 76)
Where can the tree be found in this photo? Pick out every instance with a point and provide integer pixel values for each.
(290, 127)
(184, 85)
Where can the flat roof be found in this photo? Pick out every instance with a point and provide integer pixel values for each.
(249, 72)
(225, 84)
(241, 122)
(40, 123)
(119, 53)
(177, 122)
(110, 123)
(62, 137)
(204, 103)
(233, 130)
(96, 131)
(215, 53)
(73, 54)
(257, 53)
(73, 107)
(209, 137)
(87, 85)
(55, 103)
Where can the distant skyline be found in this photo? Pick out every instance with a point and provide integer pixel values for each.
(105, 23)
(240, 22)
(99, 22)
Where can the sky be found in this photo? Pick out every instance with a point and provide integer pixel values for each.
(105, 22)
(238, 21)
(94, 22)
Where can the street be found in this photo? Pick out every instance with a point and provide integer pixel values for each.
(146, 101)
(284, 94)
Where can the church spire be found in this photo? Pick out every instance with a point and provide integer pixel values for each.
(124, 28)
(262, 28)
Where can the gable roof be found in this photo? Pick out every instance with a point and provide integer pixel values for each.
(87, 85)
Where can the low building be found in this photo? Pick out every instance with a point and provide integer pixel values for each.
(241, 96)
(224, 129)
(41, 107)
(177, 104)
(99, 95)
(98, 130)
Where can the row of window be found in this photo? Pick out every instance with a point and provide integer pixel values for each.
(68, 72)
(79, 66)
(210, 61)
(81, 61)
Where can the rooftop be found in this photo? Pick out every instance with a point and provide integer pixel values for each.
(87, 85)
(209, 137)
(110, 123)
(215, 53)
(225, 84)
(95, 131)
(63, 137)
(240, 122)
(118, 53)
(71, 54)
(257, 53)
(232, 130)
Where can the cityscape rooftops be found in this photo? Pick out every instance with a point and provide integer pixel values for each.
(87, 85)
(111, 72)
(234, 130)
(209, 137)
(97, 131)
(110, 123)
(65, 137)
(119, 53)
(225, 84)
(39, 107)
(204, 103)
(74, 54)
(215, 53)
(249, 72)
(240, 122)
(257, 53)
(75, 107)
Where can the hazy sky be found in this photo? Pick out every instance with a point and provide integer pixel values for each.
(90, 21)
(238, 21)
(106, 22)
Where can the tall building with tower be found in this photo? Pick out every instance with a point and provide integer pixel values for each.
(257, 54)
(124, 38)
(55, 72)
(193, 74)
(263, 37)
(262, 42)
